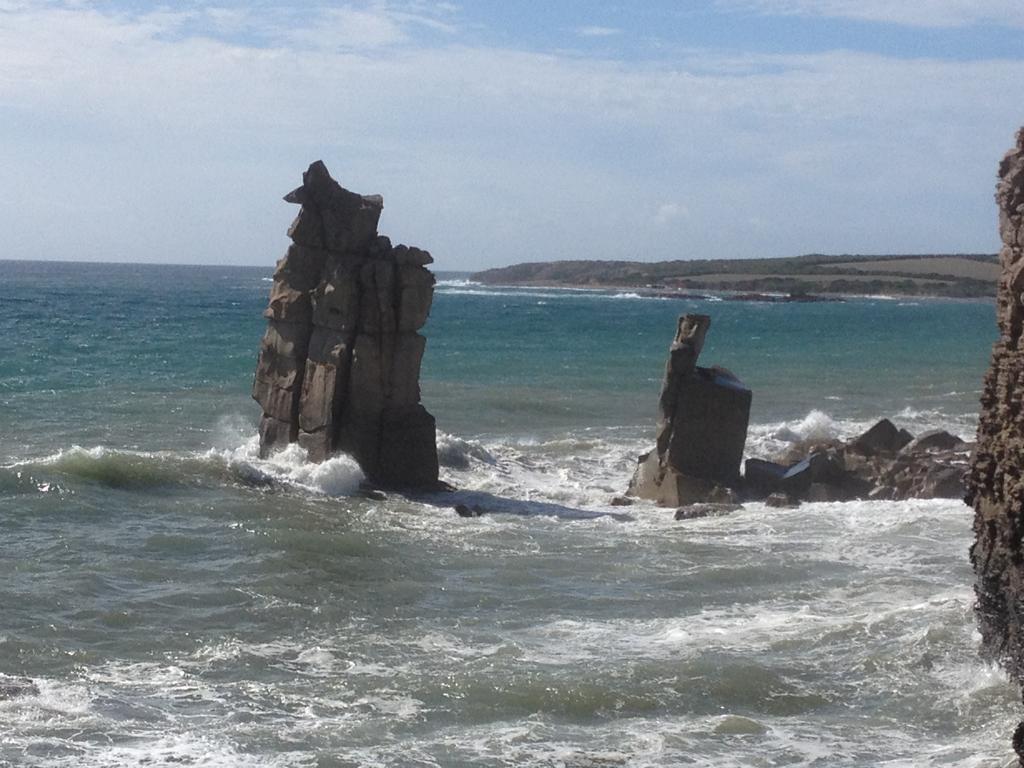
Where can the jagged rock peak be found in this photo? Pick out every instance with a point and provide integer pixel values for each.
(339, 363)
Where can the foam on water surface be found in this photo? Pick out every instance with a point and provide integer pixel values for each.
(179, 601)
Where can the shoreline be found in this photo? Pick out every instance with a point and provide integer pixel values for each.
(772, 297)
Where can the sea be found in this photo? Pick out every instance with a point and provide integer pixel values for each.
(169, 599)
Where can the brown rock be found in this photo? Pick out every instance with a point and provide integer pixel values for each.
(702, 426)
(277, 370)
(944, 483)
(405, 255)
(416, 293)
(275, 434)
(288, 305)
(318, 444)
(302, 267)
(336, 299)
(408, 453)
(935, 440)
(322, 392)
(883, 437)
(404, 389)
(307, 229)
(696, 511)
(339, 365)
(993, 485)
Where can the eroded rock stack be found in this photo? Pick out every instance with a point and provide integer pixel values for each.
(996, 480)
(340, 361)
(702, 427)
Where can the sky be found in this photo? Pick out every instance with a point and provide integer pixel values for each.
(508, 131)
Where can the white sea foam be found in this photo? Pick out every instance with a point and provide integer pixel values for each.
(337, 476)
(767, 440)
(459, 453)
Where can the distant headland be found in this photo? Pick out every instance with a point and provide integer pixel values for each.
(958, 275)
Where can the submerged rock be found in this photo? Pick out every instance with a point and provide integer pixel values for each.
(16, 687)
(995, 484)
(710, 509)
(340, 361)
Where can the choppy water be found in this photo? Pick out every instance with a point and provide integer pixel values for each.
(179, 602)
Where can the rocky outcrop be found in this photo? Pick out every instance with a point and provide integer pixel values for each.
(996, 481)
(340, 361)
(884, 463)
(702, 427)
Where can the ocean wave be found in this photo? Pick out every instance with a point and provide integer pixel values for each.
(580, 471)
(460, 453)
(337, 476)
(458, 288)
(498, 293)
(150, 470)
(769, 440)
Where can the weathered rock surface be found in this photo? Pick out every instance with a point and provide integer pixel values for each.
(339, 364)
(885, 463)
(702, 427)
(709, 509)
(996, 480)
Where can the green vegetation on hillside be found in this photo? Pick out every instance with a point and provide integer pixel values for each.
(957, 275)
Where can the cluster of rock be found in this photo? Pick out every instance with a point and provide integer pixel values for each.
(340, 361)
(702, 426)
(996, 480)
(883, 463)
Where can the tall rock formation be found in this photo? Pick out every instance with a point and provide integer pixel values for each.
(340, 361)
(996, 480)
(702, 425)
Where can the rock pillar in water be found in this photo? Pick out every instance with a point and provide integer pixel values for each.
(995, 486)
(702, 425)
(340, 361)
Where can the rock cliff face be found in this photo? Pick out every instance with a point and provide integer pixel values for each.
(340, 361)
(996, 481)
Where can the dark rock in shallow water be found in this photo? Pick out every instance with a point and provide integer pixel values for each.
(935, 440)
(823, 471)
(944, 483)
(695, 511)
(994, 485)
(883, 437)
(340, 362)
(871, 466)
(16, 687)
(702, 426)
(761, 477)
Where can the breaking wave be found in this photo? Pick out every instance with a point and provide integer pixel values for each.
(153, 470)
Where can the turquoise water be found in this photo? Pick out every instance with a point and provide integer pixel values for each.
(177, 601)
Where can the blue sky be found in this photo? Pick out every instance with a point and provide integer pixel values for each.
(500, 132)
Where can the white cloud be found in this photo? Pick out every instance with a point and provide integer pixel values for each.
(595, 31)
(914, 13)
(668, 212)
(144, 142)
(350, 28)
